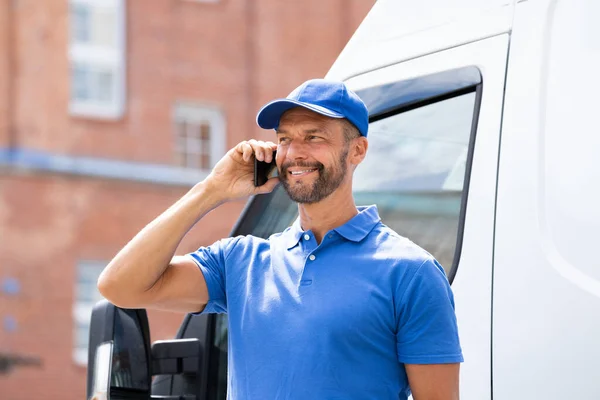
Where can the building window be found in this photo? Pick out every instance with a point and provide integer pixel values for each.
(97, 58)
(86, 296)
(199, 140)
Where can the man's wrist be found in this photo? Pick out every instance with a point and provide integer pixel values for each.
(207, 194)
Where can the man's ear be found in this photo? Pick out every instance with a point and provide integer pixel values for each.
(358, 150)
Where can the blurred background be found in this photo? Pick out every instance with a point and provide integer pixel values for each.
(110, 110)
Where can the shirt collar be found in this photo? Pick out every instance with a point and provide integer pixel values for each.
(355, 230)
(292, 234)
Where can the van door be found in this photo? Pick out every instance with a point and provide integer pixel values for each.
(431, 170)
(432, 167)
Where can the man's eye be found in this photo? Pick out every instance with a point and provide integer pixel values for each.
(312, 137)
(283, 139)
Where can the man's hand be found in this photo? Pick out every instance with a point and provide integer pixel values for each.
(433, 381)
(233, 176)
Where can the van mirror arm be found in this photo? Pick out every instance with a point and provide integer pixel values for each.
(178, 356)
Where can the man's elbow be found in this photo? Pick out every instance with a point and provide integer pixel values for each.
(107, 289)
(116, 292)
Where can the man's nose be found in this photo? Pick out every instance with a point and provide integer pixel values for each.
(297, 150)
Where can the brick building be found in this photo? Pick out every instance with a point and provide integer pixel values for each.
(109, 111)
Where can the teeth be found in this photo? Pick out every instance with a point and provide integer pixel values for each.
(301, 172)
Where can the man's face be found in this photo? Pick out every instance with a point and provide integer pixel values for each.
(312, 155)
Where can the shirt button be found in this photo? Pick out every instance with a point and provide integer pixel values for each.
(312, 257)
(306, 237)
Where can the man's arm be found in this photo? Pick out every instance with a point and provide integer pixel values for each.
(146, 274)
(427, 337)
(433, 381)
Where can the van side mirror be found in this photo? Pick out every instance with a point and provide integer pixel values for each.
(121, 362)
(118, 354)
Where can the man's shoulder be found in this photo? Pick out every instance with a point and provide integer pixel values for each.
(398, 247)
(240, 245)
(241, 241)
(252, 240)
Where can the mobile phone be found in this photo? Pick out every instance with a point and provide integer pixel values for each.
(263, 171)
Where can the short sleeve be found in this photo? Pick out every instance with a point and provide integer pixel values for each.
(211, 261)
(427, 331)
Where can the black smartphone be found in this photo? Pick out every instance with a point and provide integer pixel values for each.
(263, 171)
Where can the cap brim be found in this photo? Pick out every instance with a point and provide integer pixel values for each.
(268, 117)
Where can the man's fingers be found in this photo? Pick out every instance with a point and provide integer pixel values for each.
(268, 148)
(260, 149)
(247, 152)
(245, 149)
(263, 151)
(269, 152)
(259, 153)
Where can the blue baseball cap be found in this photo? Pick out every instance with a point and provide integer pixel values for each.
(330, 98)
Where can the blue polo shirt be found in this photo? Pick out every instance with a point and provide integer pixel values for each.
(332, 321)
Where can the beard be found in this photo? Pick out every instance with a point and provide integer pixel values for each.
(328, 180)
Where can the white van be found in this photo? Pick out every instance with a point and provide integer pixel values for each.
(483, 140)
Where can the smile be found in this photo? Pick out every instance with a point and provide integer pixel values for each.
(303, 172)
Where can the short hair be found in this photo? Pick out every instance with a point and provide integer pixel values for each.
(350, 131)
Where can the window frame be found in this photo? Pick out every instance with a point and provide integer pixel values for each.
(101, 56)
(194, 113)
(469, 86)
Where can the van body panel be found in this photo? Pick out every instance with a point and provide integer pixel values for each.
(546, 318)
(399, 30)
(473, 280)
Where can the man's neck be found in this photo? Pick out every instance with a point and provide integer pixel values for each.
(327, 214)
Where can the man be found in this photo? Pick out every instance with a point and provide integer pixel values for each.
(338, 306)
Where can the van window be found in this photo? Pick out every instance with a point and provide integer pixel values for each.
(416, 172)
